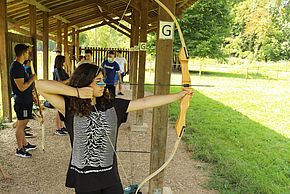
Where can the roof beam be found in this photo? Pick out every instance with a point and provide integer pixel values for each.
(58, 17)
(96, 26)
(69, 7)
(38, 5)
(119, 30)
(115, 12)
(76, 22)
(42, 8)
(133, 4)
(117, 23)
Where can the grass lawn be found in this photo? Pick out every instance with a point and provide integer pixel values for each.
(242, 127)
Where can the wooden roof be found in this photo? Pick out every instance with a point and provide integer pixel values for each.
(82, 14)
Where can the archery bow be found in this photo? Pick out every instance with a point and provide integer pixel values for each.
(184, 102)
(38, 103)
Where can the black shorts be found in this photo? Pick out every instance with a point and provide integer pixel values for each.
(23, 111)
(115, 189)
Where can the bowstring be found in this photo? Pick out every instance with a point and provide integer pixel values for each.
(123, 15)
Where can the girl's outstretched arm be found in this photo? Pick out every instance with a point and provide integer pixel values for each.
(154, 101)
(53, 91)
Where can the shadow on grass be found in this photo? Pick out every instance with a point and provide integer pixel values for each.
(247, 156)
(229, 74)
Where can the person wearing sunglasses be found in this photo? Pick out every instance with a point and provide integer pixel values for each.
(93, 118)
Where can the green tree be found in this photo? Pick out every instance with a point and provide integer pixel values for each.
(205, 26)
(105, 37)
(260, 31)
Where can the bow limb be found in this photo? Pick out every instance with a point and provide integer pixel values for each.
(37, 102)
(184, 103)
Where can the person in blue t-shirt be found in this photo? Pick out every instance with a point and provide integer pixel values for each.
(111, 68)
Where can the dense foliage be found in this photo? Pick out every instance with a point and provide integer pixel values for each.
(248, 29)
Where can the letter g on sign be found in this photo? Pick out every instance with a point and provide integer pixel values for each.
(166, 30)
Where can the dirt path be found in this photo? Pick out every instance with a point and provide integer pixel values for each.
(45, 172)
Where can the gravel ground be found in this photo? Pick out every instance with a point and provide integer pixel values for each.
(45, 172)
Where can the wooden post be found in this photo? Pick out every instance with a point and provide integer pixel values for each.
(160, 114)
(66, 54)
(73, 54)
(142, 58)
(78, 44)
(32, 19)
(136, 18)
(45, 45)
(58, 37)
(6, 100)
(131, 55)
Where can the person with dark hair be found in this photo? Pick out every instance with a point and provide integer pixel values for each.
(111, 70)
(88, 55)
(22, 87)
(122, 64)
(60, 75)
(58, 52)
(81, 60)
(93, 119)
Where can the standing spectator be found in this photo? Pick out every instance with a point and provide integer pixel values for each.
(122, 64)
(111, 68)
(89, 55)
(58, 52)
(22, 87)
(59, 74)
(81, 60)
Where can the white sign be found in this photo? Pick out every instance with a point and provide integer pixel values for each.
(136, 48)
(142, 46)
(166, 30)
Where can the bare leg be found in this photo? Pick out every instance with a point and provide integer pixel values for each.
(120, 87)
(59, 124)
(20, 136)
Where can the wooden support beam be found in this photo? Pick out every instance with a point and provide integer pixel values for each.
(133, 4)
(64, 20)
(113, 11)
(77, 44)
(45, 39)
(76, 22)
(94, 26)
(142, 58)
(119, 30)
(32, 20)
(69, 7)
(117, 23)
(58, 35)
(73, 52)
(5, 91)
(66, 52)
(160, 114)
(136, 19)
(37, 5)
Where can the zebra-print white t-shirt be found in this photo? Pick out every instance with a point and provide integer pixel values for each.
(93, 163)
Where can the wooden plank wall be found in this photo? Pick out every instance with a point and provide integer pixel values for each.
(100, 54)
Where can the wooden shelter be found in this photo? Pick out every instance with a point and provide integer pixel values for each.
(34, 20)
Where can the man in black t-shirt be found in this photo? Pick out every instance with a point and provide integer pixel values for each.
(22, 86)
